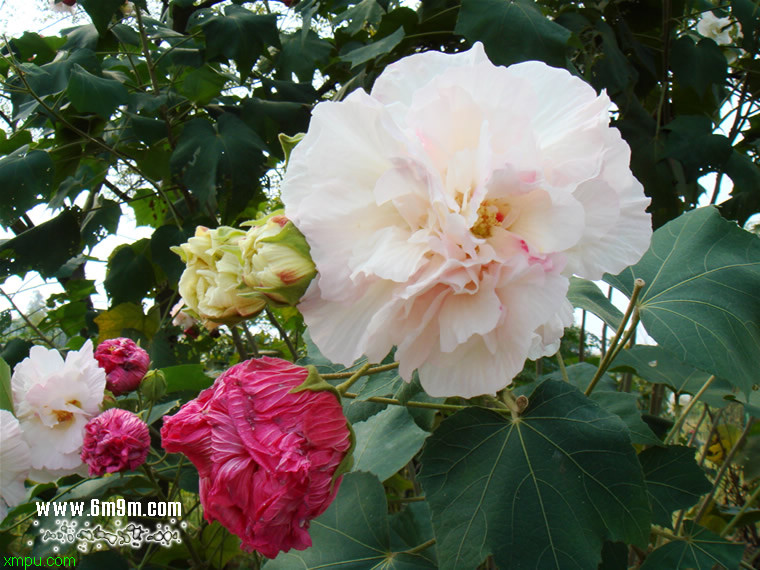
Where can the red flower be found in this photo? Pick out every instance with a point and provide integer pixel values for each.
(125, 364)
(116, 440)
(267, 456)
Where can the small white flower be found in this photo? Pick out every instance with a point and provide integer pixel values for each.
(54, 399)
(63, 7)
(446, 209)
(720, 30)
(15, 463)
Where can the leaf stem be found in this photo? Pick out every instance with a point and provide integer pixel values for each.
(682, 418)
(561, 363)
(420, 547)
(283, 335)
(344, 386)
(375, 370)
(424, 405)
(638, 285)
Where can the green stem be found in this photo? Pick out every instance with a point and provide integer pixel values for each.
(562, 368)
(420, 547)
(375, 370)
(638, 285)
(682, 418)
(283, 334)
(734, 521)
(408, 500)
(344, 386)
(424, 405)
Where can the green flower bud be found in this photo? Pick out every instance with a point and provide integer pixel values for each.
(276, 260)
(153, 386)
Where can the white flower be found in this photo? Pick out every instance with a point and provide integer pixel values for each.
(720, 30)
(63, 7)
(14, 463)
(446, 210)
(54, 399)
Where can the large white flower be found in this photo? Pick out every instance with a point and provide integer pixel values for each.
(446, 210)
(15, 463)
(54, 399)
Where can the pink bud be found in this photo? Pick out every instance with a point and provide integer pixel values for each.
(116, 440)
(125, 364)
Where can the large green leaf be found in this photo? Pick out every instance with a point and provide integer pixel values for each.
(375, 49)
(698, 66)
(585, 294)
(112, 323)
(101, 12)
(186, 377)
(44, 248)
(239, 35)
(25, 176)
(130, 273)
(700, 301)
(674, 480)
(386, 442)
(216, 154)
(699, 549)
(513, 31)
(544, 491)
(92, 94)
(354, 533)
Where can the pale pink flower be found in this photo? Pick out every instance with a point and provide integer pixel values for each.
(53, 400)
(125, 364)
(446, 210)
(116, 440)
(15, 463)
(267, 456)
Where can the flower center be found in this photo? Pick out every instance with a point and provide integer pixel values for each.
(63, 415)
(489, 215)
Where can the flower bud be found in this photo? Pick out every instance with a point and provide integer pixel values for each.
(211, 285)
(276, 260)
(153, 386)
(125, 364)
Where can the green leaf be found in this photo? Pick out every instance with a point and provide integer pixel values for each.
(209, 155)
(674, 480)
(700, 549)
(101, 12)
(130, 273)
(127, 316)
(585, 294)
(354, 532)
(700, 300)
(365, 12)
(513, 31)
(558, 482)
(92, 94)
(44, 248)
(375, 49)
(160, 242)
(160, 410)
(186, 377)
(386, 442)
(202, 85)
(302, 54)
(692, 142)
(6, 395)
(657, 366)
(26, 177)
(745, 195)
(698, 65)
(219, 545)
(239, 35)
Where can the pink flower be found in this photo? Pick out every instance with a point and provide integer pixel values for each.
(116, 440)
(267, 456)
(125, 364)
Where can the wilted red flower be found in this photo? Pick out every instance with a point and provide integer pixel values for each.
(125, 364)
(116, 440)
(268, 458)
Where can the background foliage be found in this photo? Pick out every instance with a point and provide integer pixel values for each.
(172, 116)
